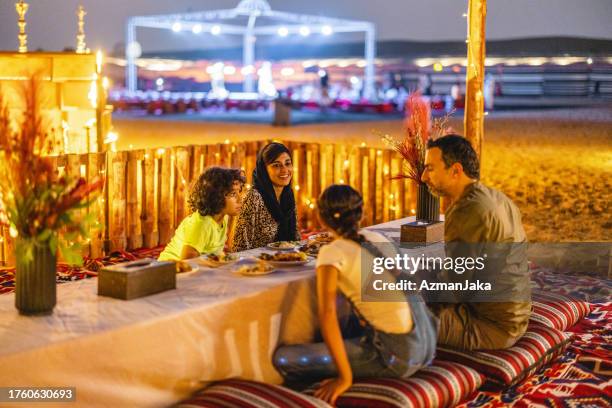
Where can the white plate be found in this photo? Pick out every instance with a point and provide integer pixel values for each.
(274, 246)
(281, 264)
(204, 260)
(265, 272)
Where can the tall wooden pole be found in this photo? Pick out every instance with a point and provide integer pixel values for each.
(474, 82)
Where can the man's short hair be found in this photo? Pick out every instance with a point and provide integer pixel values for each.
(457, 149)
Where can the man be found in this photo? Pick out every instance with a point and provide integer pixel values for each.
(479, 222)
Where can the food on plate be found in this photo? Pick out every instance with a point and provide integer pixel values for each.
(316, 242)
(182, 266)
(284, 257)
(284, 244)
(222, 258)
(216, 260)
(323, 237)
(260, 268)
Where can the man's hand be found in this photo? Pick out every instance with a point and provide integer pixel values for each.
(331, 389)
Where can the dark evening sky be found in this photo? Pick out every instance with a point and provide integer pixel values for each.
(52, 23)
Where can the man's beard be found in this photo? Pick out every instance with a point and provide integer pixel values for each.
(435, 192)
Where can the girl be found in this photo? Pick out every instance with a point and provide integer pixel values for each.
(396, 339)
(215, 197)
(269, 213)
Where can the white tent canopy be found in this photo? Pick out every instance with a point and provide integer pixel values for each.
(242, 21)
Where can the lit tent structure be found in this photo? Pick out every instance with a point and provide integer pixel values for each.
(242, 21)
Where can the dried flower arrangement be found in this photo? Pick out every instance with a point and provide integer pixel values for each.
(419, 128)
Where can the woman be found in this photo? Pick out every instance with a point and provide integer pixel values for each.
(216, 196)
(269, 212)
(397, 337)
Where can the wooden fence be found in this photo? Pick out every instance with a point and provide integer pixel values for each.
(147, 190)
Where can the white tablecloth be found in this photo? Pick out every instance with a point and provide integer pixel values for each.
(154, 351)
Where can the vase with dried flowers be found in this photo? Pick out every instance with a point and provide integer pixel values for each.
(40, 206)
(419, 129)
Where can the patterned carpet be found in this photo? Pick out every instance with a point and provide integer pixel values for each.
(581, 377)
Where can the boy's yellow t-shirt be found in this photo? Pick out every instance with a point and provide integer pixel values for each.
(202, 233)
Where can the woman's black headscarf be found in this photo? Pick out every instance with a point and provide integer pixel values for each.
(284, 211)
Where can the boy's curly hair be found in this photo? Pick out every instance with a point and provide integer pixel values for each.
(208, 193)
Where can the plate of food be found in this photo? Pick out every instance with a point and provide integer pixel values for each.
(315, 243)
(284, 245)
(323, 237)
(255, 269)
(282, 259)
(216, 260)
(184, 267)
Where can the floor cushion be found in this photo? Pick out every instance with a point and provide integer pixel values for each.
(503, 368)
(443, 384)
(557, 311)
(250, 394)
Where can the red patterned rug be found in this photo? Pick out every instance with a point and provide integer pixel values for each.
(582, 376)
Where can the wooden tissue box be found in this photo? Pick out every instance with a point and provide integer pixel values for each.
(422, 233)
(131, 280)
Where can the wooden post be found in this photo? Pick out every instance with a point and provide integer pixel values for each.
(181, 191)
(150, 203)
(134, 210)
(166, 196)
(117, 173)
(474, 97)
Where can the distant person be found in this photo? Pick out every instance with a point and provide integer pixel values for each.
(489, 91)
(269, 213)
(425, 84)
(479, 222)
(216, 196)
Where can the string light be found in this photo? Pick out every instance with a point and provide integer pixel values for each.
(98, 61)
